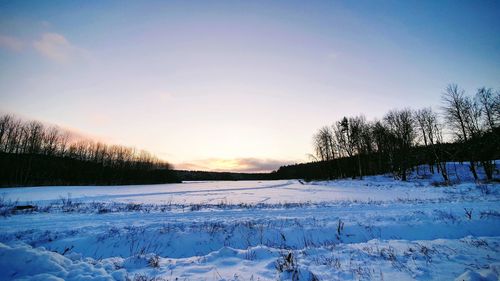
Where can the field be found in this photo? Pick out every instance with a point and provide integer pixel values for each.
(377, 228)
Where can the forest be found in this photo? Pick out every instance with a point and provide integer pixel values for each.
(32, 153)
(404, 138)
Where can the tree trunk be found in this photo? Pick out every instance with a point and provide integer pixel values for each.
(488, 169)
(473, 170)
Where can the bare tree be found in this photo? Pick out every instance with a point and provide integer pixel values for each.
(324, 144)
(381, 141)
(486, 118)
(401, 126)
(5, 125)
(488, 101)
(458, 112)
(343, 136)
(357, 136)
(432, 135)
(421, 117)
(51, 137)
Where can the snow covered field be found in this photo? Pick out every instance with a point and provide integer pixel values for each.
(371, 229)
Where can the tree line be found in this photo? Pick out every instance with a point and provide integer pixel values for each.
(403, 138)
(32, 153)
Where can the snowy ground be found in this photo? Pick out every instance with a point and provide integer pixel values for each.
(371, 229)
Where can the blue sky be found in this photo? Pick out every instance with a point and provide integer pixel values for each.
(235, 85)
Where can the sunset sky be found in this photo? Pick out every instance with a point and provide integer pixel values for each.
(236, 85)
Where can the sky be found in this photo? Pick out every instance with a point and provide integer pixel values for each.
(236, 85)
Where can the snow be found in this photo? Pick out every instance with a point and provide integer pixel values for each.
(376, 228)
(487, 274)
(23, 261)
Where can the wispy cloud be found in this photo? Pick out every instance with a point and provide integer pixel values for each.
(11, 43)
(244, 165)
(56, 47)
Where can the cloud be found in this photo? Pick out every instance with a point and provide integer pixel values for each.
(243, 165)
(11, 43)
(56, 47)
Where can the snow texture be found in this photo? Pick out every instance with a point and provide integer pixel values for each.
(376, 228)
